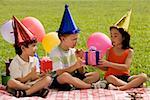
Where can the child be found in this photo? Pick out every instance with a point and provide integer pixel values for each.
(118, 62)
(69, 70)
(24, 68)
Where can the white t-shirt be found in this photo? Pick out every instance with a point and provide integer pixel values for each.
(19, 68)
(61, 58)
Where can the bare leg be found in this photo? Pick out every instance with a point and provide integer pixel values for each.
(91, 77)
(14, 84)
(39, 85)
(67, 78)
(137, 81)
(115, 81)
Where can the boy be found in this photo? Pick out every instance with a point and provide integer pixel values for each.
(25, 80)
(68, 67)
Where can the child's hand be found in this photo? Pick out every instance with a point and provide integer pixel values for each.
(45, 73)
(80, 53)
(34, 74)
(103, 63)
(79, 63)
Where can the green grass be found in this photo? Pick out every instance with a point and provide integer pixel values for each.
(90, 16)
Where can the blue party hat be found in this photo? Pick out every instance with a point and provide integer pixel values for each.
(68, 25)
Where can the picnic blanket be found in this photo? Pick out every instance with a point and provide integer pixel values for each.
(86, 94)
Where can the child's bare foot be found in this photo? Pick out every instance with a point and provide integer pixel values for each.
(112, 87)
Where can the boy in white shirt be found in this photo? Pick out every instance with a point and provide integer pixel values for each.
(69, 67)
(24, 68)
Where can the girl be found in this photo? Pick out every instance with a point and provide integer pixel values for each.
(118, 62)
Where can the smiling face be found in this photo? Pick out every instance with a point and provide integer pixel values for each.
(69, 41)
(116, 37)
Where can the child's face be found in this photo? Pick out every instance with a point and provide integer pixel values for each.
(116, 37)
(70, 41)
(30, 51)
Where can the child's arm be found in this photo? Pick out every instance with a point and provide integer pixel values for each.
(77, 65)
(33, 75)
(124, 66)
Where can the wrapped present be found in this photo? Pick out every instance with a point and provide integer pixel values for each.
(45, 64)
(92, 57)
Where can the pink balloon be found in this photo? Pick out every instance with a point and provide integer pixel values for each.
(35, 26)
(100, 41)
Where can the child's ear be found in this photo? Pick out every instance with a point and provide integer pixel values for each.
(22, 47)
(62, 38)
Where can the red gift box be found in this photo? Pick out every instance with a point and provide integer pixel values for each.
(46, 64)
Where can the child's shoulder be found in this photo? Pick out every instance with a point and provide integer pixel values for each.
(54, 51)
(15, 61)
(131, 51)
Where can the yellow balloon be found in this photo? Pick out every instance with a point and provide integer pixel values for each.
(50, 40)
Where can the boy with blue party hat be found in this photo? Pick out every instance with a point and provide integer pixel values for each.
(65, 61)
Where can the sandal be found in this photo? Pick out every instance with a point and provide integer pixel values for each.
(19, 93)
(16, 93)
(42, 93)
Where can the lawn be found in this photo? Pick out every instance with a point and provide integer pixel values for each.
(90, 16)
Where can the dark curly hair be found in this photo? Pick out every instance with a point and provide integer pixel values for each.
(18, 49)
(125, 36)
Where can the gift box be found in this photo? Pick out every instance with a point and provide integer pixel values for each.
(45, 64)
(92, 57)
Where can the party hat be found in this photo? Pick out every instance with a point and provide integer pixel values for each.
(21, 33)
(124, 21)
(68, 25)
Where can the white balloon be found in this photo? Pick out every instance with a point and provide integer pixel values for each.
(7, 32)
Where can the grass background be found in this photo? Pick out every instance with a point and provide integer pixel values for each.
(90, 16)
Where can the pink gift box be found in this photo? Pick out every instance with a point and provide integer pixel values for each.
(46, 64)
(92, 57)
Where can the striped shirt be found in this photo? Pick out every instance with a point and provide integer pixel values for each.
(61, 58)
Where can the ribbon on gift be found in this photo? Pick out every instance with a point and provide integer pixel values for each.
(92, 56)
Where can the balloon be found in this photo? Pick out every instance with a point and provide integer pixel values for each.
(100, 41)
(7, 32)
(50, 40)
(35, 26)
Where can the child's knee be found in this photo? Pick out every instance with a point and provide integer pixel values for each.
(144, 76)
(96, 75)
(11, 83)
(48, 80)
(64, 76)
(110, 78)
